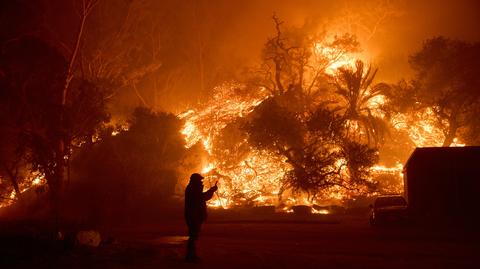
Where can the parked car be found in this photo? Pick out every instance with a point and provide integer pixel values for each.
(302, 209)
(388, 209)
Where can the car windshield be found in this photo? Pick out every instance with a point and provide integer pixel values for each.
(390, 201)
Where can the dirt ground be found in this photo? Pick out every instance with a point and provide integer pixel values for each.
(343, 242)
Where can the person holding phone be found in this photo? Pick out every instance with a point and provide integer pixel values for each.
(196, 212)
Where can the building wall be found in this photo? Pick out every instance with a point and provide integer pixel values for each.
(443, 185)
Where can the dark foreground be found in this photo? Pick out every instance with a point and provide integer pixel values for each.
(344, 243)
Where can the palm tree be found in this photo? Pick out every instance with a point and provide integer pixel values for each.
(354, 87)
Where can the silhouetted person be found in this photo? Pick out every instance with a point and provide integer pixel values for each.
(195, 211)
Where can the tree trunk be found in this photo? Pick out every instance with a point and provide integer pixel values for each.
(13, 176)
(452, 131)
(449, 137)
(56, 180)
(14, 181)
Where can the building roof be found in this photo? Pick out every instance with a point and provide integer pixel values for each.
(441, 154)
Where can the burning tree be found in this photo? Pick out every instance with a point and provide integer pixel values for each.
(446, 81)
(13, 158)
(61, 109)
(33, 87)
(302, 62)
(355, 89)
(280, 132)
(295, 63)
(32, 76)
(318, 150)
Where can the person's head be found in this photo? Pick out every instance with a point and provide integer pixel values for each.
(196, 179)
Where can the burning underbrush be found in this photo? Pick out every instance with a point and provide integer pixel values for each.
(251, 176)
(32, 182)
(119, 172)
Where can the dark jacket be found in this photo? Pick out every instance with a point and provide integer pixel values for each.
(195, 202)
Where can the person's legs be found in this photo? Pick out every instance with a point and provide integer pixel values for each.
(193, 233)
(191, 252)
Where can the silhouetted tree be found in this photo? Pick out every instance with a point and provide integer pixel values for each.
(447, 81)
(354, 87)
(13, 150)
(295, 121)
(359, 159)
(400, 98)
(131, 173)
(294, 61)
(274, 127)
(230, 145)
(33, 80)
(313, 148)
(13, 159)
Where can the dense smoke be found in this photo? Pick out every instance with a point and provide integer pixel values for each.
(200, 44)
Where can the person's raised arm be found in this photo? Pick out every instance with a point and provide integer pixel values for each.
(209, 194)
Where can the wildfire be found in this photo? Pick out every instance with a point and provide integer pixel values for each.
(225, 106)
(422, 128)
(335, 58)
(34, 179)
(256, 178)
